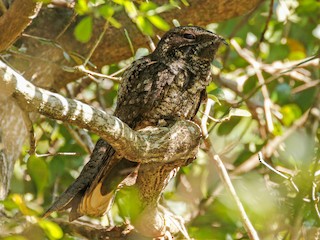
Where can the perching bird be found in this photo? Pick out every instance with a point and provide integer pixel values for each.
(167, 85)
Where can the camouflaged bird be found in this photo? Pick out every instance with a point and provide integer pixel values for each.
(167, 85)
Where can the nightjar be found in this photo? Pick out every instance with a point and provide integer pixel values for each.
(167, 85)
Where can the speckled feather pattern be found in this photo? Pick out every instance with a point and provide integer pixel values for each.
(156, 90)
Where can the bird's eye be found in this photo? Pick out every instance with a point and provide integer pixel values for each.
(189, 36)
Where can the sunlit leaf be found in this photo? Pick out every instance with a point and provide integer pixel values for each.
(19, 201)
(297, 49)
(14, 237)
(159, 22)
(83, 30)
(114, 22)
(147, 6)
(106, 11)
(82, 7)
(120, 2)
(214, 98)
(52, 230)
(130, 9)
(217, 95)
(144, 25)
(290, 112)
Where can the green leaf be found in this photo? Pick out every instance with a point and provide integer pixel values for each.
(83, 30)
(147, 6)
(217, 95)
(52, 230)
(145, 26)
(129, 202)
(82, 7)
(290, 112)
(14, 237)
(226, 128)
(39, 172)
(281, 94)
(214, 98)
(114, 22)
(130, 9)
(185, 2)
(159, 22)
(106, 11)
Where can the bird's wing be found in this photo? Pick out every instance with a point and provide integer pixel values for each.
(142, 87)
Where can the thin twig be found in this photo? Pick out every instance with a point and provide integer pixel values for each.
(224, 176)
(129, 41)
(267, 21)
(82, 68)
(271, 146)
(57, 154)
(305, 86)
(205, 117)
(316, 56)
(73, 17)
(88, 147)
(105, 27)
(32, 140)
(257, 67)
(151, 43)
(237, 28)
(119, 71)
(30, 129)
(315, 198)
(277, 172)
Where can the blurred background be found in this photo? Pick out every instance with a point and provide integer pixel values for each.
(264, 96)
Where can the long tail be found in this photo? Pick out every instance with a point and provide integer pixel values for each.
(92, 193)
(74, 193)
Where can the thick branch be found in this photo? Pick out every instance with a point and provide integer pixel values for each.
(50, 63)
(15, 20)
(90, 231)
(148, 145)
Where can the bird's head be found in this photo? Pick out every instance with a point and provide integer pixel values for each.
(188, 41)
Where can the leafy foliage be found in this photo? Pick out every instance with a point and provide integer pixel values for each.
(279, 77)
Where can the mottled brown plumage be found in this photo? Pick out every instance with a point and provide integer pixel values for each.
(157, 90)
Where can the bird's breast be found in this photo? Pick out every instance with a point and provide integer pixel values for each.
(177, 102)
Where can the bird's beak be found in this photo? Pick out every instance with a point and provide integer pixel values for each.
(224, 41)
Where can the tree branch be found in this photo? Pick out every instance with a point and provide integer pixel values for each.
(147, 145)
(15, 20)
(91, 231)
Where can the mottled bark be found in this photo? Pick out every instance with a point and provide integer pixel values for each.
(152, 144)
(44, 66)
(15, 20)
(114, 46)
